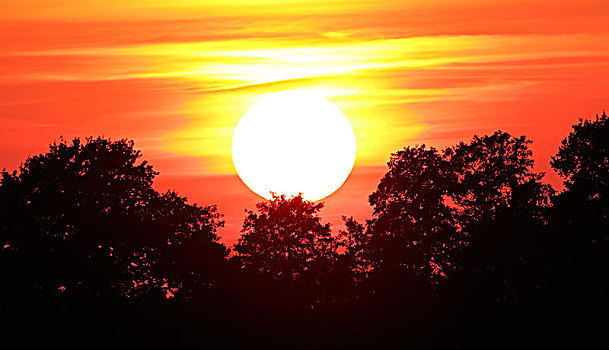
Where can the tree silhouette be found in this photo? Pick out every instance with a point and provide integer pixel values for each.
(582, 158)
(285, 238)
(501, 206)
(82, 228)
(288, 258)
(412, 224)
(581, 213)
(399, 254)
(464, 245)
(355, 240)
(468, 222)
(494, 172)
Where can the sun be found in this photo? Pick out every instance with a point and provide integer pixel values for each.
(292, 142)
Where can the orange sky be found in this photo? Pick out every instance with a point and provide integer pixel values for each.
(176, 76)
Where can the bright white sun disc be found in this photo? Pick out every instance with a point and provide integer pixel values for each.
(293, 142)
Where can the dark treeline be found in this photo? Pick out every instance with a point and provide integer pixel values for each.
(467, 246)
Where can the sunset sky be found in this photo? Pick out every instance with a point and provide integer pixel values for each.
(176, 76)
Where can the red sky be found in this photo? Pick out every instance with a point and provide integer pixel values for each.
(176, 76)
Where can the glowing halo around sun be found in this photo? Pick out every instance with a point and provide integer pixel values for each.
(293, 142)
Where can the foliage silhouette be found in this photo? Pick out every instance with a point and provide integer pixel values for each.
(501, 207)
(582, 158)
(580, 218)
(494, 172)
(465, 245)
(289, 260)
(82, 226)
(412, 223)
(399, 253)
(462, 226)
(286, 239)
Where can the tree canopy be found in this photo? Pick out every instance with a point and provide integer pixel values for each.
(464, 238)
(84, 219)
(285, 238)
